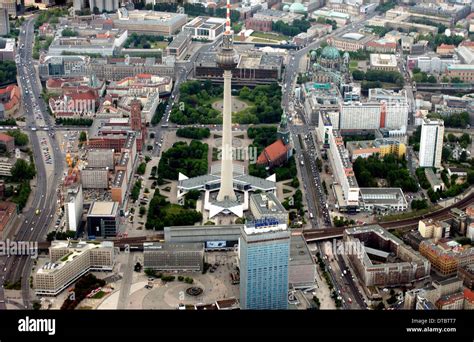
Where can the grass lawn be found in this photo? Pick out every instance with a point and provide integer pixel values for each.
(99, 295)
(353, 65)
(159, 45)
(270, 36)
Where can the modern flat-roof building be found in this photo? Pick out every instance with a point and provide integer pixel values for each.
(74, 204)
(383, 146)
(429, 229)
(88, 40)
(346, 189)
(116, 69)
(254, 66)
(119, 186)
(436, 183)
(10, 6)
(267, 205)
(103, 219)
(69, 260)
(383, 62)
(4, 22)
(430, 63)
(383, 199)
(62, 66)
(206, 28)
(431, 143)
(7, 49)
(275, 15)
(100, 158)
(302, 268)
(149, 22)
(166, 256)
(95, 178)
(213, 236)
(352, 41)
(179, 44)
(381, 259)
(340, 18)
(264, 252)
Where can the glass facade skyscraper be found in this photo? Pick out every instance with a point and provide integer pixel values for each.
(264, 258)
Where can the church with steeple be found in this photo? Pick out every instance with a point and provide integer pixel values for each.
(281, 150)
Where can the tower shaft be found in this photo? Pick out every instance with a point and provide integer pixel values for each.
(227, 187)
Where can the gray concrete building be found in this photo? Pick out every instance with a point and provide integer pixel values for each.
(95, 178)
(166, 256)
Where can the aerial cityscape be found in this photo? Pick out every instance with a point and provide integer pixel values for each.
(236, 155)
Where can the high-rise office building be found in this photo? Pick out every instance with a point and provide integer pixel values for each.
(10, 6)
(431, 143)
(264, 251)
(4, 23)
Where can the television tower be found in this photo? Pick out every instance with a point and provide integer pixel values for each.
(227, 59)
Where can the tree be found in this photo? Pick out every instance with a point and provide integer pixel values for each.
(431, 79)
(22, 170)
(142, 210)
(141, 169)
(358, 75)
(138, 267)
(83, 136)
(21, 139)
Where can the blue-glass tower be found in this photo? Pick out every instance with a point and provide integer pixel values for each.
(264, 257)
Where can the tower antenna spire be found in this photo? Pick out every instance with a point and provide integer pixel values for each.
(227, 23)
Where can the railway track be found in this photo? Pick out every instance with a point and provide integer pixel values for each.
(444, 213)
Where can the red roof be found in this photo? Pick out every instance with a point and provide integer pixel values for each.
(144, 76)
(14, 93)
(87, 95)
(54, 83)
(446, 46)
(272, 152)
(469, 295)
(467, 43)
(387, 44)
(5, 137)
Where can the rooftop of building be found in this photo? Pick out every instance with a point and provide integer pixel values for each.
(172, 247)
(273, 152)
(118, 179)
(181, 38)
(432, 178)
(207, 23)
(7, 211)
(149, 17)
(264, 226)
(461, 67)
(7, 44)
(376, 232)
(6, 138)
(299, 251)
(98, 208)
(448, 247)
(381, 196)
(267, 203)
(76, 248)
